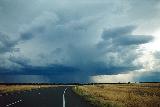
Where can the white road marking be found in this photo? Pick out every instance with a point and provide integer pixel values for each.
(64, 103)
(13, 103)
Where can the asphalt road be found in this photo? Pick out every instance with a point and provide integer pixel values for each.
(43, 97)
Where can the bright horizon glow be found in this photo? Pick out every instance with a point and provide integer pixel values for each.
(155, 44)
(148, 60)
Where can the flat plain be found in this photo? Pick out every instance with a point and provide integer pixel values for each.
(121, 95)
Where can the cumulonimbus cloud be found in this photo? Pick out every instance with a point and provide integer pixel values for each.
(97, 40)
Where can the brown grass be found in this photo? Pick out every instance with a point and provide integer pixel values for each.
(122, 95)
(12, 88)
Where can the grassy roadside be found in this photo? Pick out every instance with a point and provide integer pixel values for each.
(13, 88)
(94, 99)
(121, 95)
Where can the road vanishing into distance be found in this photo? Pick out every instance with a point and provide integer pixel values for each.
(61, 96)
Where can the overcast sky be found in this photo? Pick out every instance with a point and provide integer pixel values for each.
(79, 40)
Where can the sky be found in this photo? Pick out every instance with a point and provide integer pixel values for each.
(79, 41)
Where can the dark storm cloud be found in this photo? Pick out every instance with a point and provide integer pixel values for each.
(123, 36)
(67, 38)
(6, 44)
(119, 45)
(106, 57)
(109, 56)
(134, 39)
(53, 69)
(26, 36)
(7, 49)
(19, 60)
(114, 54)
(152, 76)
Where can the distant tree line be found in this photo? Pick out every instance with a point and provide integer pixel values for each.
(67, 83)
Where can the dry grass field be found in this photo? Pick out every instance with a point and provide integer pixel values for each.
(12, 88)
(121, 95)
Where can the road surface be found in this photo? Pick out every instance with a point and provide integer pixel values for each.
(43, 97)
